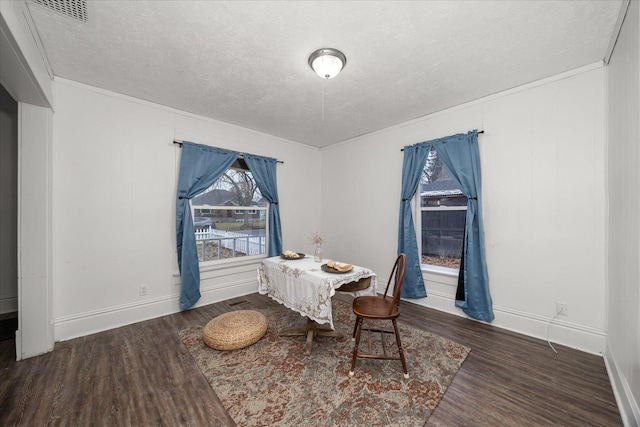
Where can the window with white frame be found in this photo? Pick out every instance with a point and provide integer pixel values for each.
(441, 211)
(230, 218)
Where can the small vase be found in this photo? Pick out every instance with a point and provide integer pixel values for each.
(317, 257)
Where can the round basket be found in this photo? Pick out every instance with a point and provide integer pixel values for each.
(355, 286)
(234, 330)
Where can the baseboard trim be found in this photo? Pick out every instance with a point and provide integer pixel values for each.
(628, 407)
(569, 334)
(8, 304)
(91, 322)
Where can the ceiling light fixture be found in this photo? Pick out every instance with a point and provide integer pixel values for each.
(327, 62)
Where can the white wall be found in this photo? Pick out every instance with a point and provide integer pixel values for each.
(542, 157)
(623, 339)
(115, 178)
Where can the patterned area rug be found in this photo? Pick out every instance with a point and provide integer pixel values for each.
(273, 383)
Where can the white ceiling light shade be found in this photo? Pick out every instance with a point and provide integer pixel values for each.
(327, 62)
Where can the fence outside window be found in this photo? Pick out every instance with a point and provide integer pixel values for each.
(213, 244)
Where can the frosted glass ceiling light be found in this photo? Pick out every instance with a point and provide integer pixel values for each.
(327, 62)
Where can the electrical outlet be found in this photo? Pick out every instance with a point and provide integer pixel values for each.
(176, 279)
(562, 308)
(144, 290)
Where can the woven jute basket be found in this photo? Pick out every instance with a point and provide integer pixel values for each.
(234, 330)
(355, 286)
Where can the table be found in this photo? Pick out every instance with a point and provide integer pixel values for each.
(302, 286)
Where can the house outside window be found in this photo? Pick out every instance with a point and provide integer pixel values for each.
(250, 212)
(441, 212)
(230, 218)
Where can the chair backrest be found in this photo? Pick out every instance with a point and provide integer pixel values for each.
(396, 277)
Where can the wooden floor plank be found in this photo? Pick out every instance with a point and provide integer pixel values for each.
(143, 375)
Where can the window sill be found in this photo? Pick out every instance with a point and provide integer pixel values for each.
(442, 271)
(231, 263)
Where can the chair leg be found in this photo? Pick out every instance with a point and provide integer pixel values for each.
(400, 350)
(357, 332)
(355, 328)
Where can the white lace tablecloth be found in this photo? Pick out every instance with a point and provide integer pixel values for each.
(303, 286)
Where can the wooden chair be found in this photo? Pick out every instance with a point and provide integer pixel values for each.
(380, 308)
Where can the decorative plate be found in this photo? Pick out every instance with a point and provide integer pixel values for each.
(328, 269)
(289, 258)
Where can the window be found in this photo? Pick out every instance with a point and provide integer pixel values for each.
(230, 217)
(442, 211)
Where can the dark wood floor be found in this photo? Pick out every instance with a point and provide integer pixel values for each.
(142, 375)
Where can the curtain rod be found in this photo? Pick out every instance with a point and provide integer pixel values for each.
(480, 131)
(178, 142)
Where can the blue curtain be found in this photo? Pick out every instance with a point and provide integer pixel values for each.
(415, 157)
(461, 156)
(263, 170)
(200, 166)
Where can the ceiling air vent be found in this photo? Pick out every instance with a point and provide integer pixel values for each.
(76, 9)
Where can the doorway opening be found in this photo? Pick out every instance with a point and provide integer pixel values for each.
(8, 216)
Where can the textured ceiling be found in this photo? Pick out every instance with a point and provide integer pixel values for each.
(245, 62)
